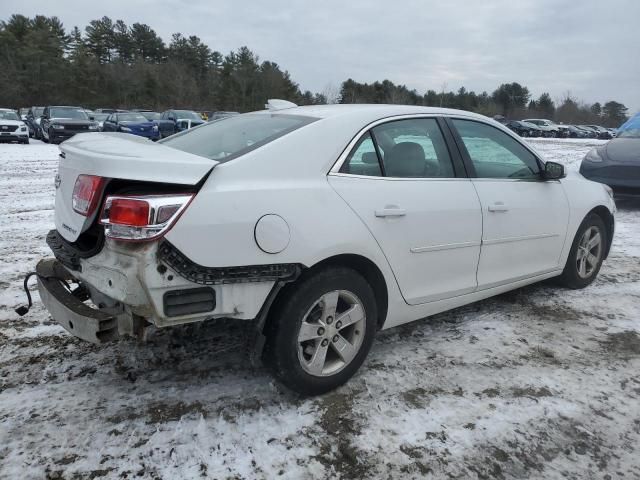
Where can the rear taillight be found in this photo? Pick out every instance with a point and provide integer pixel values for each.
(144, 217)
(86, 194)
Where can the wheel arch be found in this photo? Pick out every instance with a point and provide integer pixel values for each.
(607, 217)
(364, 266)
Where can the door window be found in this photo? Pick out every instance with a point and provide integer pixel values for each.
(494, 154)
(412, 148)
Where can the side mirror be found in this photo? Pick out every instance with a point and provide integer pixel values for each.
(554, 171)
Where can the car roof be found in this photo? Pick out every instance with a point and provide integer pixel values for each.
(7, 110)
(369, 112)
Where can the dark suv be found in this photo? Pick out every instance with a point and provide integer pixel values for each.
(62, 122)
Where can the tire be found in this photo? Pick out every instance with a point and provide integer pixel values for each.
(310, 302)
(26, 141)
(579, 271)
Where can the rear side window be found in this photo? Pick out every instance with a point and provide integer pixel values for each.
(494, 154)
(363, 159)
(234, 136)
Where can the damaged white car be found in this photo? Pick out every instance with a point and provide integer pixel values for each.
(322, 224)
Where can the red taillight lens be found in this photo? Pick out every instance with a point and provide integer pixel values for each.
(143, 217)
(131, 212)
(86, 194)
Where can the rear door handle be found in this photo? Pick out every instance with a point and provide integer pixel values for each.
(498, 207)
(391, 212)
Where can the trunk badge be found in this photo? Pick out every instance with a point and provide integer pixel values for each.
(57, 181)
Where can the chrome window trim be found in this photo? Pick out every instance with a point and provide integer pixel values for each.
(335, 170)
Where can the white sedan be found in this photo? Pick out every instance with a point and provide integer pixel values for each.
(321, 224)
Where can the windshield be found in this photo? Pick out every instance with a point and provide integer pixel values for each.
(100, 117)
(223, 141)
(4, 115)
(37, 111)
(187, 115)
(630, 133)
(131, 117)
(69, 113)
(152, 115)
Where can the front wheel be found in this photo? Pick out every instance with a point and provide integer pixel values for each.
(587, 253)
(321, 331)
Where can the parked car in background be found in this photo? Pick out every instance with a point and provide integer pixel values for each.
(613, 132)
(617, 162)
(520, 128)
(218, 115)
(131, 122)
(34, 117)
(62, 122)
(12, 128)
(174, 121)
(22, 113)
(99, 118)
(549, 129)
(209, 224)
(534, 130)
(602, 132)
(591, 133)
(575, 132)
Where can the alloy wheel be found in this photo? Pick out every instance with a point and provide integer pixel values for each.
(589, 252)
(331, 333)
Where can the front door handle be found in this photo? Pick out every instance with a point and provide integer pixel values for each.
(498, 207)
(391, 212)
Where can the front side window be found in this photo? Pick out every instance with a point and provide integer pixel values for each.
(412, 148)
(494, 154)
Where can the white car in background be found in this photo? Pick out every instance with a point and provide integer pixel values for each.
(322, 224)
(12, 128)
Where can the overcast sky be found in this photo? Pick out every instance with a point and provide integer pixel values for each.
(589, 48)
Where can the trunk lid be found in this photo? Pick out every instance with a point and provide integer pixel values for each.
(118, 156)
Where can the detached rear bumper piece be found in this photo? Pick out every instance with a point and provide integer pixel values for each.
(68, 310)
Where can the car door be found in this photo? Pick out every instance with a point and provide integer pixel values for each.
(524, 216)
(410, 190)
(109, 124)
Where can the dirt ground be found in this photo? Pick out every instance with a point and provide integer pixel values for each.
(540, 382)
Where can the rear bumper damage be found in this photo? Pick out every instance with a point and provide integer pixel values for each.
(69, 310)
(134, 284)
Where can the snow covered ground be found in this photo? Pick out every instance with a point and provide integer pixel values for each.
(537, 383)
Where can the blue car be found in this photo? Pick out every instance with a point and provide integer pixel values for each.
(133, 123)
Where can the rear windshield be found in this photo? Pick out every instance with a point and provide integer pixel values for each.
(224, 140)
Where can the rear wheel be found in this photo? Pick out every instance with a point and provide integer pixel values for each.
(321, 331)
(587, 253)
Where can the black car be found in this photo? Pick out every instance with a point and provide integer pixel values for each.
(575, 132)
(617, 163)
(521, 128)
(61, 122)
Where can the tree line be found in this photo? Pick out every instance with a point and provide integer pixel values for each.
(511, 100)
(112, 64)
